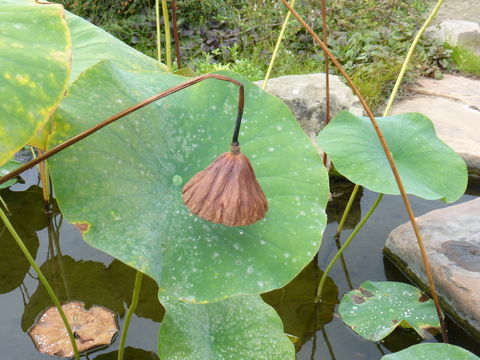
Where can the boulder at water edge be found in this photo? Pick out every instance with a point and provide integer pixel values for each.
(305, 96)
(452, 241)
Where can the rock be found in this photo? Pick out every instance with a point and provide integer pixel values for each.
(453, 104)
(457, 32)
(23, 156)
(452, 242)
(458, 9)
(305, 95)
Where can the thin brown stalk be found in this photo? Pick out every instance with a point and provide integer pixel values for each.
(390, 161)
(327, 77)
(130, 110)
(175, 34)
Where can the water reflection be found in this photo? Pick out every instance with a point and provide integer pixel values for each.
(301, 316)
(130, 353)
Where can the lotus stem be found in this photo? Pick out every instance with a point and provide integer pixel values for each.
(4, 204)
(175, 34)
(131, 310)
(121, 114)
(327, 77)
(394, 93)
(277, 47)
(43, 280)
(157, 21)
(391, 162)
(168, 44)
(345, 245)
(347, 210)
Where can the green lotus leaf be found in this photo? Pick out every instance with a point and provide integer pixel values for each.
(7, 168)
(240, 327)
(431, 351)
(27, 215)
(35, 51)
(428, 167)
(92, 44)
(124, 183)
(375, 309)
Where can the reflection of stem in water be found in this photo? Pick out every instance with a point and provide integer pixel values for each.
(344, 246)
(328, 343)
(54, 233)
(314, 346)
(131, 310)
(379, 347)
(344, 264)
(43, 280)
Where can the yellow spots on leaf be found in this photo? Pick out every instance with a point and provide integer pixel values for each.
(22, 79)
(58, 56)
(17, 45)
(7, 76)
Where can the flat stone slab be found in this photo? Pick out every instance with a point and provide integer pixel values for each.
(305, 96)
(459, 9)
(453, 104)
(452, 242)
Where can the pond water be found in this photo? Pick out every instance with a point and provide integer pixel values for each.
(80, 272)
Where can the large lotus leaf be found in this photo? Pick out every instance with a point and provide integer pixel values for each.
(93, 283)
(35, 52)
(124, 183)
(375, 309)
(295, 303)
(7, 168)
(431, 351)
(427, 166)
(92, 44)
(240, 327)
(27, 215)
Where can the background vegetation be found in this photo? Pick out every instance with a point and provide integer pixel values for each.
(370, 37)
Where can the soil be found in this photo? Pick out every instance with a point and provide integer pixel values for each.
(468, 10)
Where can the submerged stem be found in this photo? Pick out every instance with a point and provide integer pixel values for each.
(345, 245)
(277, 47)
(43, 280)
(133, 306)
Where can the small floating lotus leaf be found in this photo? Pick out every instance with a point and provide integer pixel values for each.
(35, 53)
(6, 168)
(227, 191)
(240, 327)
(435, 351)
(375, 309)
(428, 167)
(92, 328)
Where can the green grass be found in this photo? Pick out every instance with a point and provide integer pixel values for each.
(466, 60)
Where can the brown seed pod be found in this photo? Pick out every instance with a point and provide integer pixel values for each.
(227, 192)
(92, 328)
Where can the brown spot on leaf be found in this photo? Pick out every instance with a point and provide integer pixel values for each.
(365, 292)
(83, 227)
(358, 299)
(423, 298)
(394, 321)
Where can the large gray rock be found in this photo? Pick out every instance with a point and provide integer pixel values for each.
(305, 95)
(457, 32)
(452, 242)
(453, 104)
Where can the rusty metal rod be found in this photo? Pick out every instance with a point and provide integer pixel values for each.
(327, 77)
(175, 34)
(121, 114)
